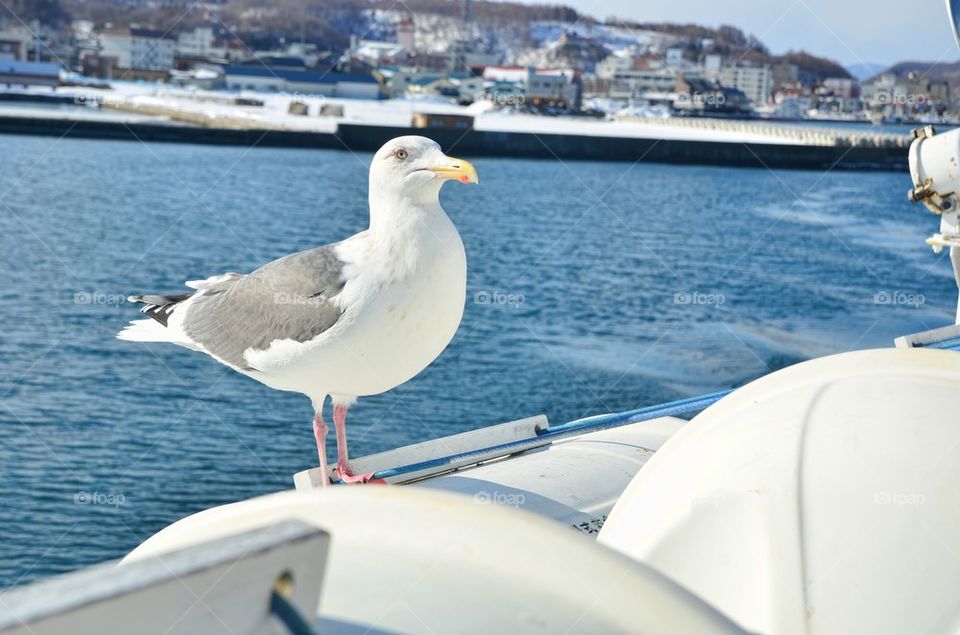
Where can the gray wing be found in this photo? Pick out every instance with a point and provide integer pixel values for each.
(289, 298)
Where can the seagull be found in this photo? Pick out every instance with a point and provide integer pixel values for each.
(346, 320)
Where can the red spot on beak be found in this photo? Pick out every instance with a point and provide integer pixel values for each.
(464, 179)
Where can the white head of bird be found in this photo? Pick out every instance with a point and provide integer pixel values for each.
(407, 173)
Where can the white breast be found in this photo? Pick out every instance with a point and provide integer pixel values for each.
(401, 311)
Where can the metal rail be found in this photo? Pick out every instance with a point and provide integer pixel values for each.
(945, 338)
(550, 434)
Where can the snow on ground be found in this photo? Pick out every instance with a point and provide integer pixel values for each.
(73, 113)
(633, 130)
(613, 37)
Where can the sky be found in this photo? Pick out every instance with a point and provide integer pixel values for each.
(848, 31)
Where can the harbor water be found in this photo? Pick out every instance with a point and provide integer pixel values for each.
(593, 287)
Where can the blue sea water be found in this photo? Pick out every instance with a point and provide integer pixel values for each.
(593, 287)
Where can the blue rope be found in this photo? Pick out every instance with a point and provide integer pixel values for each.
(602, 422)
(288, 614)
(564, 430)
(948, 344)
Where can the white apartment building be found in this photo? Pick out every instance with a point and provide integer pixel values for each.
(139, 49)
(633, 84)
(673, 58)
(613, 64)
(553, 85)
(756, 82)
(200, 42)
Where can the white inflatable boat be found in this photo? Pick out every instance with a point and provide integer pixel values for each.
(821, 498)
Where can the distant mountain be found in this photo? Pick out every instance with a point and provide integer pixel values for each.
(933, 70)
(811, 67)
(865, 71)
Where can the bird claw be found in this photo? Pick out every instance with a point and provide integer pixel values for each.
(347, 477)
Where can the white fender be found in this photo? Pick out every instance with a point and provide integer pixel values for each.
(823, 498)
(410, 560)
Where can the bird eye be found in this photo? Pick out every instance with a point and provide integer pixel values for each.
(400, 153)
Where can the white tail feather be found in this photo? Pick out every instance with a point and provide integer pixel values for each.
(153, 331)
(145, 331)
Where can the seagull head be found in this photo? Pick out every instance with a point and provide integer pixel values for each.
(412, 169)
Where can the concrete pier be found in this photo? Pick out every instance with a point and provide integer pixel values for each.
(792, 147)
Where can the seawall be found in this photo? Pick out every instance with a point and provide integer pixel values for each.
(361, 137)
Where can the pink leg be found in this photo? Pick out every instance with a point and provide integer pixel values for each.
(343, 462)
(320, 430)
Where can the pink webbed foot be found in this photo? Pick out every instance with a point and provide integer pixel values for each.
(342, 470)
(346, 476)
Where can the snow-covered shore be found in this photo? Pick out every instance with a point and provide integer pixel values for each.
(324, 115)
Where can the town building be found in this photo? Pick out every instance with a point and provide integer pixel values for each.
(699, 97)
(712, 65)
(554, 87)
(463, 88)
(882, 90)
(26, 73)
(375, 53)
(559, 87)
(435, 84)
(138, 49)
(326, 83)
(845, 87)
(792, 105)
(903, 96)
(470, 88)
(441, 121)
(406, 34)
(608, 67)
(638, 83)
(16, 43)
(202, 47)
(784, 73)
(673, 58)
(756, 82)
(463, 56)
(201, 42)
(505, 94)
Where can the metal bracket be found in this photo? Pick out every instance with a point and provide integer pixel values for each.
(238, 578)
(497, 435)
(943, 337)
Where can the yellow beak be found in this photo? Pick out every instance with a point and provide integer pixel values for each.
(457, 169)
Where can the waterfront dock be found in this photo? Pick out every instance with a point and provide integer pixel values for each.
(672, 140)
